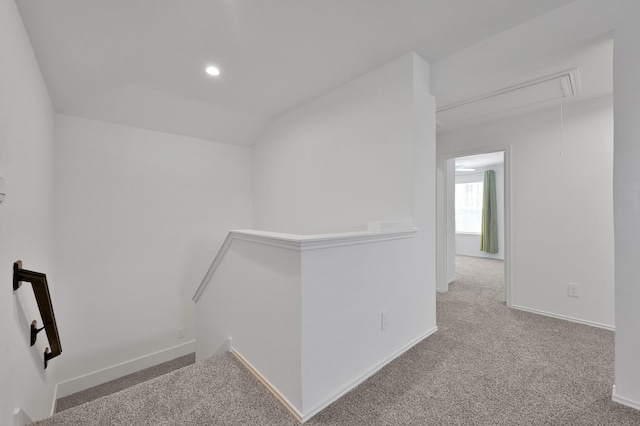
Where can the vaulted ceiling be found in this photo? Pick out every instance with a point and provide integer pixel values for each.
(141, 63)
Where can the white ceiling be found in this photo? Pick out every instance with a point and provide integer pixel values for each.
(141, 62)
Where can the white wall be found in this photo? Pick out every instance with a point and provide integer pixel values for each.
(627, 202)
(341, 160)
(254, 297)
(561, 206)
(469, 244)
(26, 219)
(345, 290)
(362, 152)
(139, 216)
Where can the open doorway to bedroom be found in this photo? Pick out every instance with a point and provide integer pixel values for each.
(476, 223)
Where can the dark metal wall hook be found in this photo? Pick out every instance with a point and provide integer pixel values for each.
(34, 331)
(47, 356)
(17, 266)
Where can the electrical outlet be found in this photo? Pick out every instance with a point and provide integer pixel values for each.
(574, 290)
(180, 333)
(384, 320)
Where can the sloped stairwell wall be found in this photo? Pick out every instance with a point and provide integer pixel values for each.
(26, 218)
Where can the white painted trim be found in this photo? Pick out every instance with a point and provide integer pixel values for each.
(283, 400)
(299, 243)
(366, 375)
(107, 374)
(216, 261)
(338, 240)
(570, 81)
(480, 255)
(320, 241)
(21, 418)
(342, 391)
(624, 401)
(442, 231)
(564, 317)
(55, 400)
(508, 234)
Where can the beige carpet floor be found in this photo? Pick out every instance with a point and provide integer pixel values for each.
(487, 365)
(125, 382)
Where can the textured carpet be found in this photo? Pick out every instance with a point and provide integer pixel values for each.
(487, 365)
(483, 279)
(125, 382)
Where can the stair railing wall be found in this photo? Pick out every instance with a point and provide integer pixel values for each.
(308, 314)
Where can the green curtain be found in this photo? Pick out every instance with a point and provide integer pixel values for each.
(489, 238)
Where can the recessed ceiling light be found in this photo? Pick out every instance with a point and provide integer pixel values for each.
(211, 70)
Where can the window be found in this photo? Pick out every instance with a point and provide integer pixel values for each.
(469, 207)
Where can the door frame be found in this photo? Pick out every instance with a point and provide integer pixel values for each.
(442, 284)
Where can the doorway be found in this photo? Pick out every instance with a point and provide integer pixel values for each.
(467, 194)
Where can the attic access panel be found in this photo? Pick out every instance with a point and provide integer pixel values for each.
(562, 85)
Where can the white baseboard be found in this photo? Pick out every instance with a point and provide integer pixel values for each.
(20, 418)
(55, 400)
(624, 401)
(444, 288)
(283, 400)
(564, 317)
(107, 374)
(366, 375)
(303, 417)
(482, 256)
